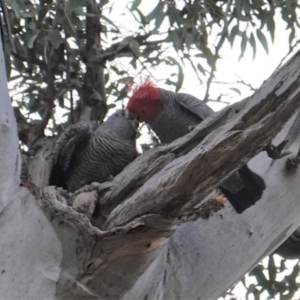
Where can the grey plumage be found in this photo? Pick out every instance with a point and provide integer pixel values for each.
(178, 113)
(83, 155)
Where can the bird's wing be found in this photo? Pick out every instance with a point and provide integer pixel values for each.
(193, 105)
(67, 149)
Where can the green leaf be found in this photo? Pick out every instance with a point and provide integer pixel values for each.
(78, 3)
(172, 61)
(31, 40)
(272, 270)
(22, 4)
(17, 63)
(175, 16)
(68, 26)
(271, 28)
(76, 83)
(15, 7)
(201, 69)
(33, 104)
(209, 57)
(170, 82)
(76, 22)
(29, 14)
(133, 63)
(236, 90)
(78, 11)
(262, 40)
(55, 38)
(176, 39)
(156, 14)
(152, 14)
(159, 19)
(115, 69)
(253, 44)
(292, 36)
(142, 17)
(233, 33)
(243, 44)
(135, 4)
(134, 46)
(180, 78)
(111, 105)
(195, 70)
(103, 2)
(32, 25)
(42, 13)
(7, 64)
(110, 22)
(263, 18)
(45, 1)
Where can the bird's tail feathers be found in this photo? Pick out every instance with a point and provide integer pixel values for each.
(252, 189)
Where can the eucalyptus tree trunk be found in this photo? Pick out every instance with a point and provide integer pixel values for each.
(159, 231)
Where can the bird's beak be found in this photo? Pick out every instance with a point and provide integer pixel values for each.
(133, 118)
(136, 123)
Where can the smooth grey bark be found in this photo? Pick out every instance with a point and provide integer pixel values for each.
(30, 253)
(10, 159)
(154, 242)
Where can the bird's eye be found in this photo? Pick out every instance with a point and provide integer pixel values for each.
(142, 111)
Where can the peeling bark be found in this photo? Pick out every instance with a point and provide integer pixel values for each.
(153, 239)
(201, 160)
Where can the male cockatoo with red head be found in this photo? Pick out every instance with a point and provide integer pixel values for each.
(172, 115)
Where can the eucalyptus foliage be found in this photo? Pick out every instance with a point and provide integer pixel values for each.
(50, 43)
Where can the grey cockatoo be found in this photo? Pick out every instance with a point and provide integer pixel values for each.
(83, 155)
(172, 115)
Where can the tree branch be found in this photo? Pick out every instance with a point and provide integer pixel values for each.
(160, 190)
(171, 173)
(250, 126)
(93, 103)
(123, 47)
(163, 189)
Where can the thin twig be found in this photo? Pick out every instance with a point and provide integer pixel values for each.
(69, 82)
